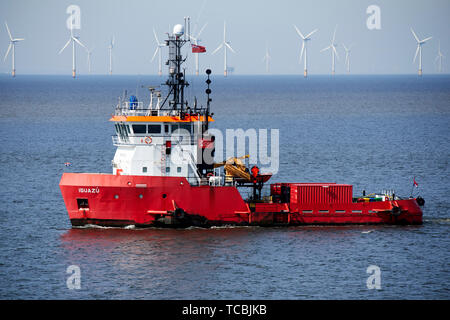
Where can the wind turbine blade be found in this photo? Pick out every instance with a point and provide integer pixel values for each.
(9, 32)
(229, 47)
(18, 39)
(325, 49)
(311, 33)
(156, 38)
(154, 55)
(417, 51)
(334, 34)
(218, 48)
(298, 32)
(7, 52)
(335, 51)
(65, 46)
(201, 30)
(79, 42)
(415, 36)
(424, 40)
(224, 31)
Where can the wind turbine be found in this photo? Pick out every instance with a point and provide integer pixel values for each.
(110, 47)
(267, 58)
(89, 53)
(225, 45)
(12, 44)
(419, 50)
(439, 58)
(332, 46)
(347, 56)
(159, 45)
(72, 39)
(196, 40)
(304, 50)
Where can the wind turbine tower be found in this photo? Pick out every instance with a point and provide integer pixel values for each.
(89, 53)
(419, 50)
(439, 58)
(225, 44)
(12, 45)
(334, 53)
(110, 48)
(304, 48)
(267, 58)
(73, 39)
(347, 56)
(159, 45)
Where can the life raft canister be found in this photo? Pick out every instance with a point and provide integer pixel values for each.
(420, 201)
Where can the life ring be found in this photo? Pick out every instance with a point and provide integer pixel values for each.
(148, 140)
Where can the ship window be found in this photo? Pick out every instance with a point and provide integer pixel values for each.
(166, 128)
(178, 169)
(167, 169)
(154, 128)
(139, 128)
(175, 127)
(186, 126)
(144, 169)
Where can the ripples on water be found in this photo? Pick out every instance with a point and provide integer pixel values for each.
(372, 132)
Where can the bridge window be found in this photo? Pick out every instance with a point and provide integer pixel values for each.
(154, 128)
(139, 128)
(186, 126)
(175, 127)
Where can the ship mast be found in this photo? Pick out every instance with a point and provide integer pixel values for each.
(176, 81)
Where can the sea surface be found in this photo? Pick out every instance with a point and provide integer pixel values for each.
(375, 132)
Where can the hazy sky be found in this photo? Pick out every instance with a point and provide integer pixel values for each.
(250, 24)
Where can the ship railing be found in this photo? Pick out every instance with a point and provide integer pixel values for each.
(176, 140)
(120, 140)
(137, 109)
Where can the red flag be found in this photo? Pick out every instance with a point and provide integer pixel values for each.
(415, 183)
(198, 49)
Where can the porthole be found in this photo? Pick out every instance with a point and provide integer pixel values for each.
(116, 196)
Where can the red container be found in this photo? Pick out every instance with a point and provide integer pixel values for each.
(320, 193)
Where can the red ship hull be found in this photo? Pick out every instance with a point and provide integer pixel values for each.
(122, 200)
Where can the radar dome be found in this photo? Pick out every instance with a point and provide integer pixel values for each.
(178, 30)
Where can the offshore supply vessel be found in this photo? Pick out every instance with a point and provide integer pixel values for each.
(163, 175)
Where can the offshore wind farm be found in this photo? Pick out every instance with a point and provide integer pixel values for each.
(366, 58)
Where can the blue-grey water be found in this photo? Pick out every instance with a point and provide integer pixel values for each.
(375, 132)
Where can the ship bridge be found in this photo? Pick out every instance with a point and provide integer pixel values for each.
(156, 142)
